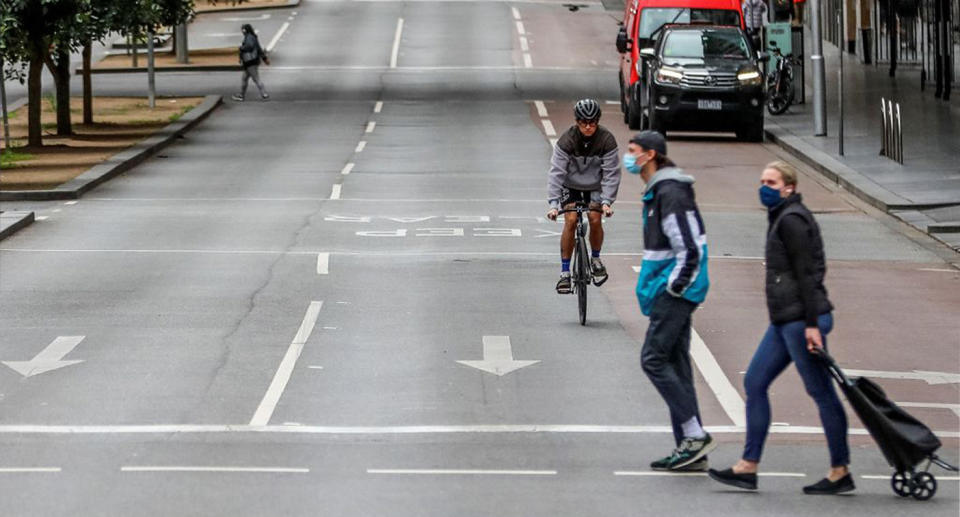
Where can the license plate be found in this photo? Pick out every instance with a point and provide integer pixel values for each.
(709, 104)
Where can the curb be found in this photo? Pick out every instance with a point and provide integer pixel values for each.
(12, 222)
(122, 161)
(290, 3)
(851, 180)
(179, 68)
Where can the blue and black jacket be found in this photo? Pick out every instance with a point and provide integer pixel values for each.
(674, 241)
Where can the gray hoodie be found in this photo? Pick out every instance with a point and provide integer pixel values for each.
(584, 164)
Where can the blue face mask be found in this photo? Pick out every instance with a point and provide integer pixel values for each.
(630, 163)
(769, 196)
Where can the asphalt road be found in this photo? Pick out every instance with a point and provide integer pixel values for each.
(275, 311)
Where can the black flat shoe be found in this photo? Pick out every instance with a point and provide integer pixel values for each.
(827, 487)
(747, 481)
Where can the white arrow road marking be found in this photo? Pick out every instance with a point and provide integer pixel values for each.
(497, 357)
(918, 375)
(49, 359)
(546, 233)
(279, 383)
(248, 19)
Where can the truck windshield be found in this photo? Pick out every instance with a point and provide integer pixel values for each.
(652, 18)
(705, 44)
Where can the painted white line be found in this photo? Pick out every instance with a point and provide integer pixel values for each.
(347, 169)
(935, 270)
(360, 146)
(42, 217)
(396, 44)
(290, 18)
(524, 44)
(612, 102)
(335, 193)
(516, 13)
(636, 269)
(527, 60)
(283, 470)
(323, 263)
(57, 210)
(464, 472)
(932, 405)
(315, 367)
(386, 68)
(27, 470)
(887, 477)
(682, 474)
(247, 18)
(378, 107)
(371, 126)
(727, 395)
(402, 430)
(541, 109)
(276, 37)
(548, 127)
(71, 202)
(520, 29)
(331, 328)
(279, 383)
(553, 143)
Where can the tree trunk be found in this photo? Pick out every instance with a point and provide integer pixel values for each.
(87, 86)
(34, 129)
(60, 70)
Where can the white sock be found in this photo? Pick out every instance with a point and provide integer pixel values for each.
(692, 429)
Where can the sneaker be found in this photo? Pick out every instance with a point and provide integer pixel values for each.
(746, 481)
(237, 97)
(264, 96)
(599, 272)
(700, 465)
(827, 487)
(691, 450)
(563, 285)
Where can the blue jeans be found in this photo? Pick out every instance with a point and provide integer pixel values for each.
(781, 345)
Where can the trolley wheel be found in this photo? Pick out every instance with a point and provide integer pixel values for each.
(924, 486)
(902, 483)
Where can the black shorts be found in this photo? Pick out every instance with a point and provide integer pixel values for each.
(571, 196)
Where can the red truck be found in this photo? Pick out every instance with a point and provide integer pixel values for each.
(642, 20)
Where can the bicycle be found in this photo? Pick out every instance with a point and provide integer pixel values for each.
(780, 88)
(581, 274)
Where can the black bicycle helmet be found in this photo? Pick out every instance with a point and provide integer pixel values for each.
(587, 109)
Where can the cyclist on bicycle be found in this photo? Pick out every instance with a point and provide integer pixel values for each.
(585, 168)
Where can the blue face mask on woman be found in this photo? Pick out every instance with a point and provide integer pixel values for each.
(630, 163)
(770, 197)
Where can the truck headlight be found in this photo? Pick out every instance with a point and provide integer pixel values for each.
(750, 78)
(669, 76)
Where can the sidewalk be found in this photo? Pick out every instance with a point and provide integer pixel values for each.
(925, 190)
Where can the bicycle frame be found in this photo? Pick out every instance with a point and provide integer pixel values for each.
(581, 272)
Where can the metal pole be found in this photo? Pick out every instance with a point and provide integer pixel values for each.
(842, 37)
(884, 148)
(819, 73)
(899, 137)
(3, 100)
(151, 83)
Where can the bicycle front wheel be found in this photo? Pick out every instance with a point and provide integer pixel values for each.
(582, 279)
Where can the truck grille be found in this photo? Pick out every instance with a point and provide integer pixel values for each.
(703, 80)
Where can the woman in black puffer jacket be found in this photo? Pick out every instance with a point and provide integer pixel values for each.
(800, 319)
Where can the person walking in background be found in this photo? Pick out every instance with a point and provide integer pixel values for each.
(673, 281)
(754, 16)
(251, 54)
(798, 6)
(800, 319)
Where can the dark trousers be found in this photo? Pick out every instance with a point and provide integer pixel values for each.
(665, 358)
(781, 345)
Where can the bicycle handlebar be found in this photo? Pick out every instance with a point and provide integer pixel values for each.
(579, 209)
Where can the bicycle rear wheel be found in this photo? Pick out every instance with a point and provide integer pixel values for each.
(582, 278)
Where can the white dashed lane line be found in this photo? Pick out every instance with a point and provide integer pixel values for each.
(360, 146)
(371, 126)
(335, 193)
(347, 169)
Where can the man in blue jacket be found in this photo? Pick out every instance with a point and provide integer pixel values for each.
(673, 281)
